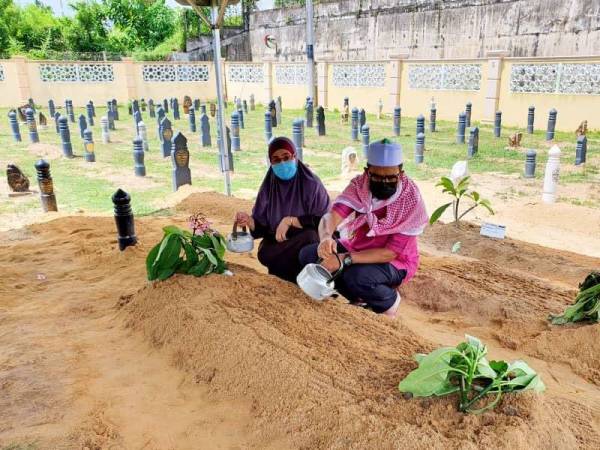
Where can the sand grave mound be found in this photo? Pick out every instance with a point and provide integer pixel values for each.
(325, 375)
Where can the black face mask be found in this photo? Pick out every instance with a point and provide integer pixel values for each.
(382, 190)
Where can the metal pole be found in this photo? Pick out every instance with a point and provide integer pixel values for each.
(223, 153)
(310, 54)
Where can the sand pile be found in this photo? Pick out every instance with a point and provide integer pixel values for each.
(280, 370)
(325, 375)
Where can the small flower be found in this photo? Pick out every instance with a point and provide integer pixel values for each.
(199, 224)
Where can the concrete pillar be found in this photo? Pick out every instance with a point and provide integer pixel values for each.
(394, 80)
(322, 83)
(492, 93)
(268, 80)
(130, 77)
(23, 85)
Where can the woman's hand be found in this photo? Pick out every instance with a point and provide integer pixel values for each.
(282, 229)
(244, 220)
(327, 247)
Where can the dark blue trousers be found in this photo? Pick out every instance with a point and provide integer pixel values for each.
(373, 284)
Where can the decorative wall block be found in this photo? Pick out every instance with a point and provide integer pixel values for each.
(290, 74)
(454, 77)
(245, 73)
(372, 75)
(175, 72)
(561, 78)
(72, 73)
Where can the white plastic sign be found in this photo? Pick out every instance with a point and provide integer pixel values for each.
(493, 231)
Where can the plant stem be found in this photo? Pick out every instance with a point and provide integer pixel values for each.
(467, 211)
(479, 396)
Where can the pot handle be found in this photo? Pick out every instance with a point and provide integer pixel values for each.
(234, 232)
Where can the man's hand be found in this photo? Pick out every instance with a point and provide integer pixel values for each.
(331, 263)
(327, 247)
(244, 220)
(282, 229)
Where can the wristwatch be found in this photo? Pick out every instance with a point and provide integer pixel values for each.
(348, 260)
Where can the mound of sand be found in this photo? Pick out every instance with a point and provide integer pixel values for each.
(325, 375)
(279, 370)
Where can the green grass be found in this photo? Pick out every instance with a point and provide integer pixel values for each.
(89, 186)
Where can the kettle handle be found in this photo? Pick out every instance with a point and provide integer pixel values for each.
(234, 232)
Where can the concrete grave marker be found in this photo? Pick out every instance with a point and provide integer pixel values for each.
(138, 156)
(365, 134)
(551, 124)
(354, 125)
(180, 157)
(14, 126)
(205, 130)
(46, 186)
(65, 136)
(551, 175)
(530, 158)
(31, 126)
(124, 219)
(83, 125)
(396, 120)
(143, 133)
(192, 119)
(88, 146)
(268, 126)
(104, 130)
(420, 148)
(321, 121)
(166, 134)
(235, 131)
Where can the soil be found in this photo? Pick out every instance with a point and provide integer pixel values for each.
(94, 356)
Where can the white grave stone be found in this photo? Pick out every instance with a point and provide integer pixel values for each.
(551, 175)
(349, 160)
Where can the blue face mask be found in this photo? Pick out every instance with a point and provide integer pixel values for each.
(285, 170)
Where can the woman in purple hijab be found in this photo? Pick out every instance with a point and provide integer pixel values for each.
(287, 211)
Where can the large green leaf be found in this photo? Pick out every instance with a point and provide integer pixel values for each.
(169, 251)
(200, 268)
(172, 229)
(438, 213)
(165, 273)
(432, 374)
(463, 184)
(486, 204)
(209, 254)
(219, 248)
(151, 271)
(202, 240)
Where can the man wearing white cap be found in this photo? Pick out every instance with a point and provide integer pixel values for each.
(379, 215)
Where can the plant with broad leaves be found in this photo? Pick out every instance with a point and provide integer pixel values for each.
(458, 190)
(197, 253)
(464, 369)
(587, 303)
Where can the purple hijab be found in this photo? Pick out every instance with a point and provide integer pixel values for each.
(303, 195)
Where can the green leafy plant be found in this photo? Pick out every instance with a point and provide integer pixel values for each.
(458, 190)
(197, 253)
(587, 303)
(465, 370)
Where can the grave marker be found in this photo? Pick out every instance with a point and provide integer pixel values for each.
(124, 219)
(213, 110)
(176, 115)
(530, 119)
(279, 111)
(473, 146)
(46, 186)
(468, 108)
(396, 120)
(235, 131)
(51, 108)
(138, 157)
(88, 146)
(31, 125)
(166, 105)
(56, 117)
(241, 117)
(530, 158)
(143, 134)
(151, 109)
(110, 115)
(321, 121)
(252, 105)
(362, 117)
(581, 150)
(432, 118)
(551, 124)
(65, 136)
(180, 157)
(268, 126)
(460, 130)
(14, 126)
(245, 105)
(70, 111)
(205, 130)
(498, 124)
(104, 130)
(419, 148)
(93, 108)
(115, 108)
(364, 131)
(187, 103)
(42, 120)
(379, 109)
(273, 111)
(166, 134)
(297, 137)
(17, 181)
(420, 124)
(192, 119)
(551, 175)
(309, 113)
(196, 104)
(82, 125)
(354, 125)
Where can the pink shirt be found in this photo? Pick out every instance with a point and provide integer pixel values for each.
(405, 247)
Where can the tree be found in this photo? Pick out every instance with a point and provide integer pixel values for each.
(88, 32)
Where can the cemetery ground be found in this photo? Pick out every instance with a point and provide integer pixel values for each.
(94, 356)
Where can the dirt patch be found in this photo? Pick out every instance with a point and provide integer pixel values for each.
(45, 151)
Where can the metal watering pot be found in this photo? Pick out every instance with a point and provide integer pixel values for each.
(240, 242)
(317, 282)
